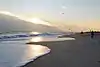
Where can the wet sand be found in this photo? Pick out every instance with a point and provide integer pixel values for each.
(82, 52)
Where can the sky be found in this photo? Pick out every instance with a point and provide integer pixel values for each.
(84, 13)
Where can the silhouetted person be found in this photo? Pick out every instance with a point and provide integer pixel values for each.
(92, 34)
(81, 32)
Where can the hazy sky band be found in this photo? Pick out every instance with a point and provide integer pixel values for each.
(79, 11)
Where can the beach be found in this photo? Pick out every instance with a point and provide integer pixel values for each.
(81, 52)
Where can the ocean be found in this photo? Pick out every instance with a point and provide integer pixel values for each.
(14, 51)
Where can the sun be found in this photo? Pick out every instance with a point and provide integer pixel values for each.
(39, 21)
(36, 21)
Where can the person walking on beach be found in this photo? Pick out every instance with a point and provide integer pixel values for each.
(92, 34)
(82, 32)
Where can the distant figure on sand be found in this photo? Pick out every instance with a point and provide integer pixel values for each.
(81, 32)
(92, 34)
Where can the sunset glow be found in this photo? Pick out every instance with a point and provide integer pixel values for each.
(33, 20)
(80, 13)
(39, 21)
(8, 13)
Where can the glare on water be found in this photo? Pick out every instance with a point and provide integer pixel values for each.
(35, 50)
(36, 39)
(34, 33)
(46, 38)
(16, 54)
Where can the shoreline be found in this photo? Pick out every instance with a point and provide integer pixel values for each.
(82, 52)
(32, 60)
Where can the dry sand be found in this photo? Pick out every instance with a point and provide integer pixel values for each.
(82, 52)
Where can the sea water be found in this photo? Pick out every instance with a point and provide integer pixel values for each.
(14, 52)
